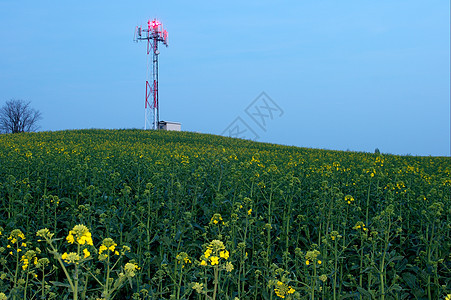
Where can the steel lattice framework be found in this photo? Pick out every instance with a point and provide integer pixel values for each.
(153, 34)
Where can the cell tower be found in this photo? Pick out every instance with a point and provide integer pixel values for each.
(153, 35)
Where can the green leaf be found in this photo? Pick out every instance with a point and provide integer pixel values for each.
(365, 293)
(409, 279)
(57, 283)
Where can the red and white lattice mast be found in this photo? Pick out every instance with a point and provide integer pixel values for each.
(153, 34)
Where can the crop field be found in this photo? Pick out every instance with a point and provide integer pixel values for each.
(132, 214)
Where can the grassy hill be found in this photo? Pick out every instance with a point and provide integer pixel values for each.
(178, 215)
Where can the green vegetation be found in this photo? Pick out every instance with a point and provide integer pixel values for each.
(130, 214)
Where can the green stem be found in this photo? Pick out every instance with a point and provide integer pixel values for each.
(215, 282)
(180, 282)
(43, 283)
(107, 283)
(382, 265)
(335, 269)
(361, 265)
(313, 281)
(26, 286)
(76, 275)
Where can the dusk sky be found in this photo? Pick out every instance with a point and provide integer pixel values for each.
(341, 75)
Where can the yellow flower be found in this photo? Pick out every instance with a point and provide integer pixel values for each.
(229, 266)
(207, 253)
(319, 262)
(360, 225)
(86, 253)
(214, 260)
(109, 245)
(44, 233)
(70, 238)
(85, 238)
(224, 254)
(249, 211)
(102, 248)
(203, 263)
(217, 218)
(71, 257)
(82, 235)
(25, 263)
(130, 269)
(282, 289)
(15, 235)
(198, 287)
(349, 199)
(307, 262)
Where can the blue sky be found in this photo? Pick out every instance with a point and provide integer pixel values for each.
(354, 75)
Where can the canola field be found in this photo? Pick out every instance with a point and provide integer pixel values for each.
(132, 214)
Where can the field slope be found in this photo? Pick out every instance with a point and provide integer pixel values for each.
(195, 216)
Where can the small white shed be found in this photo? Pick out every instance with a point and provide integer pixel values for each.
(172, 126)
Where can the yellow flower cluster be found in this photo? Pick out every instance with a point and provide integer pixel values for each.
(45, 233)
(130, 269)
(216, 219)
(183, 259)
(70, 258)
(349, 199)
(82, 235)
(30, 255)
(334, 235)
(312, 256)
(228, 266)
(108, 245)
(15, 237)
(214, 252)
(360, 225)
(282, 289)
(198, 287)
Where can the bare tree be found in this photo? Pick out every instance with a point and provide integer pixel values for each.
(17, 116)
